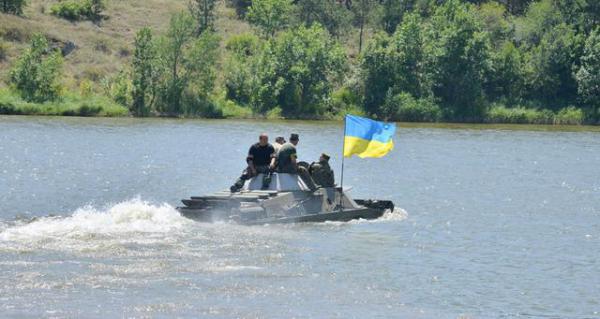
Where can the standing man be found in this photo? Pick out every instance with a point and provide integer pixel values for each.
(321, 173)
(261, 160)
(287, 162)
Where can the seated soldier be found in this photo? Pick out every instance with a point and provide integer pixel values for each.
(261, 160)
(287, 162)
(321, 173)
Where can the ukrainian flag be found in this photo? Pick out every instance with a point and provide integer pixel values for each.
(367, 138)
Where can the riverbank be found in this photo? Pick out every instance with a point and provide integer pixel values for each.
(72, 104)
(68, 105)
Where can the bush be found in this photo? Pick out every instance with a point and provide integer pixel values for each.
(240, 67)
(75, 10)
(36, 75)
(518, 115)
(3, 50)
(69, 105)
(404, 107)
(244, 45)
(118, 88)
(569, 116)
(345, 101)
(196, 105)
(230, 109)
(12, 6)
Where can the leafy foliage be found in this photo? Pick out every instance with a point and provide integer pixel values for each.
(12, 6)
(143, 72)
(186, 68)
(270, 15)
(588, 76)
(296, 72)
(396, 64)
(459, 54)
(36, 74)
(203, 12)
(333, 15)
(79, 9)
(518, 61)
(404, 107)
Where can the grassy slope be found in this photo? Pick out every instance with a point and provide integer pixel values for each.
(101, 49)
(104, 49)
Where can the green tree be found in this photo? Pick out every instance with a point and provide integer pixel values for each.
(270, 15)
(240, 6)
(396, 64)
(583, 14)
(540, 17)
(331, 14)
(588, 76)
(297, 71)
(203, 12)
(392, 13)
(550, 67)
(143, 72)
(36, 75)
(516, 6)
(459, 53)
(241, 67)
(494, 19)
(172, 54)
(364, 12)
(12, 6)
(506, 78)
(186, 67)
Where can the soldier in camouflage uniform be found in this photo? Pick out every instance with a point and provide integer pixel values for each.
(321, 173)
(287, 162)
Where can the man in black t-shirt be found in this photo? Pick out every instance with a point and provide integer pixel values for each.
(261, 160)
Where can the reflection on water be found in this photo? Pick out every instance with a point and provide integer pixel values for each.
(493, 223)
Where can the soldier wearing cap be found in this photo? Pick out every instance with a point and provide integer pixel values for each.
(321, 172)
(287, 162)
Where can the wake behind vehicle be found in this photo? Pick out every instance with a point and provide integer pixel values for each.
(287, 200)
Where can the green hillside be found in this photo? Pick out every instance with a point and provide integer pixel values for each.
(505, 61)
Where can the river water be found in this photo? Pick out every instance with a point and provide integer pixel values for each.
(490, 223)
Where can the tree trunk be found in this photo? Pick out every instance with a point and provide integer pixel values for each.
(360, 37)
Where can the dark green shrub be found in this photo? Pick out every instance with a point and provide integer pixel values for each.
(12, 6)
(404, 107)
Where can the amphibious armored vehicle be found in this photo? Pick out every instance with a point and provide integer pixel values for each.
(287, 200)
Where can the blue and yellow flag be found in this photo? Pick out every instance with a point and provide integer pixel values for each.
(367, 138)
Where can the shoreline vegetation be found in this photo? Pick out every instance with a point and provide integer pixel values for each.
(101, 106)
(494, 61)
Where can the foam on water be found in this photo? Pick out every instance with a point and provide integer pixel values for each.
(124, 220)
(398, 214)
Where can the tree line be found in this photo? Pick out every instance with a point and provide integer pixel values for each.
(411, 60)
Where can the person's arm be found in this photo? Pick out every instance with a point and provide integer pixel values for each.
(250, 160)
(293, 158)
(272, 164)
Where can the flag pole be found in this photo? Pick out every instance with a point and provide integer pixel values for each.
(342, 174)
